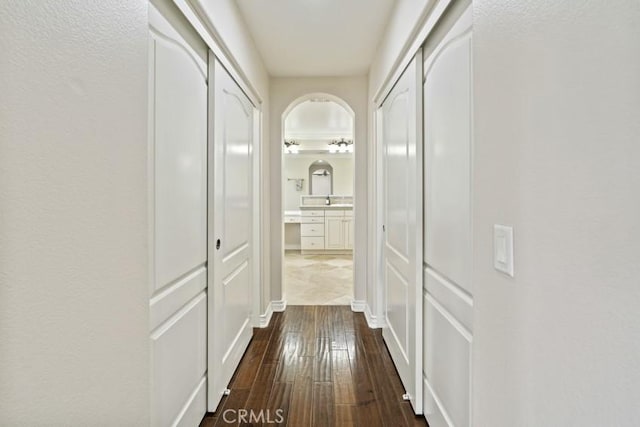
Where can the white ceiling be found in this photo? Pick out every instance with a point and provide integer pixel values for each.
(312, 120)
(316, 37)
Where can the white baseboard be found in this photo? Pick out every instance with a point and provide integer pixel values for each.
(279, 305)
(372, 320)
(266, 317)
(358, 306)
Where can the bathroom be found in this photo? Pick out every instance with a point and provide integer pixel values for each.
(318, 178)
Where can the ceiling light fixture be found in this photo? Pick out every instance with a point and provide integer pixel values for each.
(291, 147)
(342, 146)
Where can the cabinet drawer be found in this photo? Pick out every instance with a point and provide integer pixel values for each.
(334, 213)
(348, 213)
(313, 213)
(292, 219)
(312, 243)
(312, 220)
(311, 229)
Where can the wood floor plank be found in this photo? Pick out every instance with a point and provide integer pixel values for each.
(323, 405)
(394, 379)
(342, 378)
(261, 390)
(249, 365)
(368, 406)
(389, 400)
(306, 344)
(338, 330)
(347, 319)
(287, 367)
(279, 403)
(300, 414)
(323, 366)
(229, 407)
(324, 327)
(346, 416)
(304, 369)
(343, 393)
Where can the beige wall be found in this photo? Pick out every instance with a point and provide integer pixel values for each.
(283, 92)
(74, 285)
(557, 156)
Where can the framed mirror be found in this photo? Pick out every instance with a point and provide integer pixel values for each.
(320, 178)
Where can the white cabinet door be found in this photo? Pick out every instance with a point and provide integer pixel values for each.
(348, 233)
(334, 232)
(178, 299)
(401, 114)
(230, 229)
(448, 311)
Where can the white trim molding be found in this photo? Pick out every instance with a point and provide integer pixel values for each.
(426, 22)
(358, 306)
(372, 320)
(265, 318)
(278, 306)
(207, 31)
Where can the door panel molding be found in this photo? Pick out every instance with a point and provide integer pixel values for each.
(401, 207)
(448, 153)
(231, 228)
(177, 223)
(172, 298)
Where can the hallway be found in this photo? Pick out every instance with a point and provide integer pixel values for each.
(460, 179)
(322, 366)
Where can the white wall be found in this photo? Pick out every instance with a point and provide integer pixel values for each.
(74, 311)
(557, 156)
(404, 20)
(284, 91)
(228, 22)
(297, 166)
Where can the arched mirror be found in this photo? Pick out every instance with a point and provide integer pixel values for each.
(320, 178)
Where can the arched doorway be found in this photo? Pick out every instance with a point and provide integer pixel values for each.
(317, 201)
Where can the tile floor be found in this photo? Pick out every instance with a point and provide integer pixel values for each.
(318, 279)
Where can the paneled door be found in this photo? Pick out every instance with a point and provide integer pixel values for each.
(401, 114)
(178, 222)
(448, 298)
(230, 232)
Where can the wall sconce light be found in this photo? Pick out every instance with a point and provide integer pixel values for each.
(342, 146)
(291, 147)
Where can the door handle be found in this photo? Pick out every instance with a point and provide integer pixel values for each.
(218, 244)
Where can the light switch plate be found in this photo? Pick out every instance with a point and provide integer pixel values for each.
(503, 249)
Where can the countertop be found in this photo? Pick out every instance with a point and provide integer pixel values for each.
(336, 206)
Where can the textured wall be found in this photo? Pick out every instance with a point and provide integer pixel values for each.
(73, 208)
(557, 98)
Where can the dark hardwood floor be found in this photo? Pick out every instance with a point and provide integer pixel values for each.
(315, 366)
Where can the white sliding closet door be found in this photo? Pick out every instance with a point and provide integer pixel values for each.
(230, 229)
(178, 158)
(401, 114)
(448, 298)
